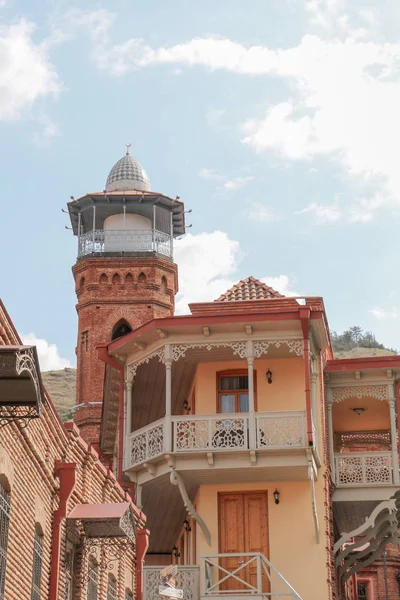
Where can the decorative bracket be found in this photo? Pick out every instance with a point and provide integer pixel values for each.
(176, 479)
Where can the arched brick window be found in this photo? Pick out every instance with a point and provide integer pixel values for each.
(112, 588)
(120, 329)
(93, 580)
(37, 564)
(4, 526)
(142, 280)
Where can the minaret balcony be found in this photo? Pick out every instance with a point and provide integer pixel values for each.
(111, 241)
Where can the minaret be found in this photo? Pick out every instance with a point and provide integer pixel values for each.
(124, 275)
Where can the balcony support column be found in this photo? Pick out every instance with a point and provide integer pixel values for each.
(168, 397)
(330, 433)
(128, 419)
(393, 435)
(252, 420)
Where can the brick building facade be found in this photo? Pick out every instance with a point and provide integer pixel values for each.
(46, 472)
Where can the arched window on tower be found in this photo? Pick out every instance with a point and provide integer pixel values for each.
(4, 525)
(120, 329)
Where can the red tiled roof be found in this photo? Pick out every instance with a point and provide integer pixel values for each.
(249, 289)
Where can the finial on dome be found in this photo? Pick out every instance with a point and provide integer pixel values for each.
(127, 148)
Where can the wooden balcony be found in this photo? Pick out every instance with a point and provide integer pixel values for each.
(231, 440)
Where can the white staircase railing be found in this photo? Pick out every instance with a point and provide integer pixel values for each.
(187, 579)
(253, 575)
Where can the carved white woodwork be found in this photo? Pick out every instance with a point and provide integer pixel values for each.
(379, 392)
(280, 430)
(147, 443)
(179, 350)
(295, 346)
(369, 468)
(210, 433)
(131, 369)
(187, 579)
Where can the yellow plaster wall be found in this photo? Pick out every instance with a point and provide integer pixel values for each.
(286, 392)
(293, 548)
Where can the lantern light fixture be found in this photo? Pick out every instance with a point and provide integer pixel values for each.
(186, 525)
(276, 496)
(269, 376)
(175, 552)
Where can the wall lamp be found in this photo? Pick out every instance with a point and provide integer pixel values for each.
(269, 376)
(276, 496)
(175, 552)
(186, 406)
(186, 525)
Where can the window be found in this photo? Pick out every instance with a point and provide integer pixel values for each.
(121, 328)
(112, 591)
(233, 392)
(4, 525)
(362, 591)
(128, 595)
(70, 570)
(93, 580)
(37, 564)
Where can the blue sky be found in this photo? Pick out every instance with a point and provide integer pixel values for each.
(275, 122)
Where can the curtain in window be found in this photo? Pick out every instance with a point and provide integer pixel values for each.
(4, 525)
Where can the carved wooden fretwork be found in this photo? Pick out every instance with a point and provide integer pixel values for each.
(261, 347)
(379, 392)
(132, 368)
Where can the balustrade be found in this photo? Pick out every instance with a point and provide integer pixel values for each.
(100, 241)
(363, 468)
(218, 433)
(187, 579)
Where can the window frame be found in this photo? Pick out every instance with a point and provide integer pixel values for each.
(368, 588)
(5, 514)
(235, 373)
(37, 563)
(93, 580)
(112, 587)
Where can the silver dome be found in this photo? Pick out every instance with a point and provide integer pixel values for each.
(127, 174)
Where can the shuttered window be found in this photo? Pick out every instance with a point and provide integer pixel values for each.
(4, 525)
(37, 565)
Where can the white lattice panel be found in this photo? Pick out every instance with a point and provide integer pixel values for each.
(210, 433)
(364, 469)
(187, 579)
(281, 431)
(147, 444)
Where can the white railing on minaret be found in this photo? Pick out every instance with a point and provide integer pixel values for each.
(100, 241)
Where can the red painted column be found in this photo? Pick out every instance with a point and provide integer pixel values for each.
(66, 472)
(397, 390)
(142, 545)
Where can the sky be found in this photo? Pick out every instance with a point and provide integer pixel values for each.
(276, 122)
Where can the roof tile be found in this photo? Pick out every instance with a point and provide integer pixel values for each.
(249, 289)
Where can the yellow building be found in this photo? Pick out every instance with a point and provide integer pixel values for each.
(224, 440)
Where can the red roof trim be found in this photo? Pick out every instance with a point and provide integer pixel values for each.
(358, 364)
(291, 314)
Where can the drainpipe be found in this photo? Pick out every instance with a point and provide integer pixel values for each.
(66, 472)
(142, 545)
(115, 364)
(305, 322)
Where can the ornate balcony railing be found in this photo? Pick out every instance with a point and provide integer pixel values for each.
(210, 433)
(244, 574)
(147, 443)
(217, 433)
(363, 468)
(100, 241)
(187, 579)
(281, 430)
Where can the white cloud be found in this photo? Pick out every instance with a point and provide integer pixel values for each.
(259, 212)
(229, 185)
(236, 183)
(49, 130)
(49, 356)
(323, 212)
(211, 175)
(26, 73)
(381, 314)
(208, 265)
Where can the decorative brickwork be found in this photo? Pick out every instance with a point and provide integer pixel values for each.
(134, 288)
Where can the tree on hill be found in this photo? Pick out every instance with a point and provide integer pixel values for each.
(355, 337)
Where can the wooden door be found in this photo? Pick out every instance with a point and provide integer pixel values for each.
(243, 527)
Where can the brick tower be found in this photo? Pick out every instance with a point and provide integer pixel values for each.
(124, 274)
